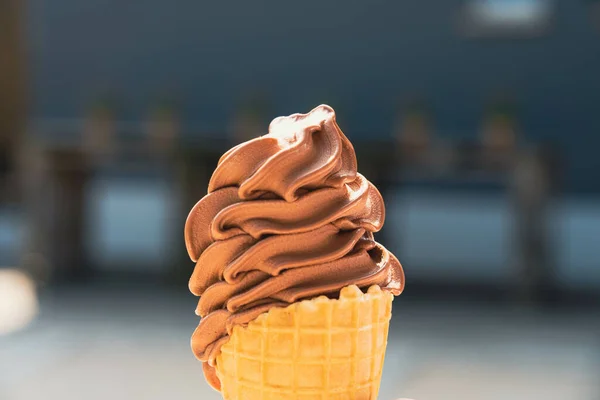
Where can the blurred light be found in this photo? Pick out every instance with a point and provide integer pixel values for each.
(18, 301)
(510, 12)
(131, 222)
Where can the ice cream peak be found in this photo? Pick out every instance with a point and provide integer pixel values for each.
(287, 217)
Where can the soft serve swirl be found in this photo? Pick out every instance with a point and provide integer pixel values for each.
(287, 217)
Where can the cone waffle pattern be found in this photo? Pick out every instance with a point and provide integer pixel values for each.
(325, 349)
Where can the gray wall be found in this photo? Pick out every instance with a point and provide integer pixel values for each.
(361, 56)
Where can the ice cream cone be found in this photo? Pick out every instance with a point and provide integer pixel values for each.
(315, 349)
(286, 217)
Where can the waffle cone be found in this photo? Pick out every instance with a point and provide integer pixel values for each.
(315, 349)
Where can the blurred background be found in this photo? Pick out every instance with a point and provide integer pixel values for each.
(479, 120)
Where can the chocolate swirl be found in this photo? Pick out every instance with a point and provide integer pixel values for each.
(287, 217)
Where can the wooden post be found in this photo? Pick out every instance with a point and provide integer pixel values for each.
(530, 194)
(12, 95)
(69, 173)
